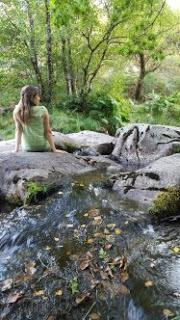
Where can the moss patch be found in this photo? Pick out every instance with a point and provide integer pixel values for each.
(34, 192)
(167, 203)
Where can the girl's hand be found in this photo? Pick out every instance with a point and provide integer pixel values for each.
(60, 151)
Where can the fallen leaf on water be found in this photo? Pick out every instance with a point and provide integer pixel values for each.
(30, 267)
(51, 318)
(115, 288)
(58, 292)
(81, 297)
(89, 241)
(117, 231)
(104, 275)
(84, 264)
(85, 260)
(167, 313)
(6, 284)
(13, 297)
(22, 277)
(86, 214)
(38, 293)
(116, 261)
(56, 239)
(93, 212)
(123, 263)
(111, 226)
(97, 220)
(94, 316)
(48, 248)
(107, 246)
(106, 231)
(110, 238)
(175, 249)
(124, 276)
(98, 235)
(94, 283)
(148, 283)
(109, 272)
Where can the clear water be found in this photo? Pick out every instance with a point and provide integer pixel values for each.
(50, 237)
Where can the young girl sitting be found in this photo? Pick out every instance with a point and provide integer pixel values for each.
(33, 132)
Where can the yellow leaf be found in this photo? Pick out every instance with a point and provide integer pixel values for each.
(58, 292)
(167, 313)
(94, 316)
(38, 293)
(111, 226)
(86, 214)
(89, 241)
(48, 248)
(148, 283)
(117, 231)
(175, 249)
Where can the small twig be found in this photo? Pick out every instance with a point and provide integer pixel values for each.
(92, 306)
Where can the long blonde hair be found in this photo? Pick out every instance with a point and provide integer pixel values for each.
(23, 108)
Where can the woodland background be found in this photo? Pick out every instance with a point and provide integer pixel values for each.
(100, 63)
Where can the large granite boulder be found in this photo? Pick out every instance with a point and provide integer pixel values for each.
(144, 143)
(145, 184)
(38, 171)
(90, 141)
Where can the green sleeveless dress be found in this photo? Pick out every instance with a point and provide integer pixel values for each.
(33, 138)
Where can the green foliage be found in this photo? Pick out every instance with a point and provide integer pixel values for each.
(167, 203)
(74, 285)
(101, 108)
(33, 191)
(7, 127)
(158, 109)
(102, 254)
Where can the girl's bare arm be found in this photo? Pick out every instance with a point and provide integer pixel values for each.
(18, 133)
(48, 133)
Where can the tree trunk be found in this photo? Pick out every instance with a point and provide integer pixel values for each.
(70, 67)
(49, 52)
(33, 52)
(65, 66)
(142, 73)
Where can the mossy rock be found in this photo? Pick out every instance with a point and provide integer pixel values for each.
(166, 204)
